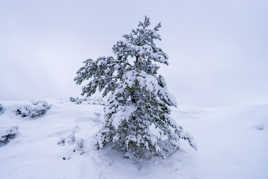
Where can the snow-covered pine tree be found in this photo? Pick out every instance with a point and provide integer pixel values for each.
(138, 103)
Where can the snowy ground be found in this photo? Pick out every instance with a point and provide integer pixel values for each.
(232, 144)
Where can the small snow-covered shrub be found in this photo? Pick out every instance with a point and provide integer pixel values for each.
(96, 101)
(1, 109)
(260, 127)
(74, 144)
(72, 99)
(34, 110)
(7, 134)
(77, 100)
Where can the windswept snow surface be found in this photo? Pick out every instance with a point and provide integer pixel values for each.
(232, 144)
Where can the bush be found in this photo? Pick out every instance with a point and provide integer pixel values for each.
(36, 109)
(1, 109)
(7, 134)
(77, 100)
(74, 143)
(92, 101)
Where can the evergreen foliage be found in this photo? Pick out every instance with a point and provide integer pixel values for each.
(138, 106)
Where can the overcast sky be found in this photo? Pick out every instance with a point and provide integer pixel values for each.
(218, 50)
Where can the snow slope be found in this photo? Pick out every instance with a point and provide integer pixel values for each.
(232, 143)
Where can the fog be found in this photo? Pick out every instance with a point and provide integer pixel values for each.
(217, 49)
